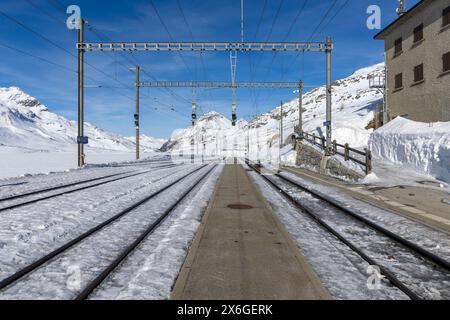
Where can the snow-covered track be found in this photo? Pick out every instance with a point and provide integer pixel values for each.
(127, 251)
(5, 203)
(400, 251)
(145, 163)
(16, 277)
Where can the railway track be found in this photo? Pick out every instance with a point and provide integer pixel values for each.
(10, 202)
(372, 242)
(56, 254)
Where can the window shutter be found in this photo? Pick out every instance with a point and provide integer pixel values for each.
(418, 73)
(446, 62)
(418, 33)
(446, 17)
(399, 81)
(398, 46)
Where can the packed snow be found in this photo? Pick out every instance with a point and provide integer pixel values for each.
(28, 233)
(421, 146)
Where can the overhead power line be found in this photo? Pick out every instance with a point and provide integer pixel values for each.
(333, 17)
(41, 36)
(274, 20)
(180, 8)
(60, 6)
(170, 35)
(323, 19)
(315, 30)
(37, 57)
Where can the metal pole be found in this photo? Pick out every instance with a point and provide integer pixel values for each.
(300, 109)
(242, 20)
(385, 111)
(136, 116)
(328, 94)
(281, 124)
(81, 156)
(192, 148)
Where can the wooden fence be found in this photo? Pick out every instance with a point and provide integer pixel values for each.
(363, 158)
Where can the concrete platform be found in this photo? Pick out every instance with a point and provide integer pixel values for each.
(242, 251)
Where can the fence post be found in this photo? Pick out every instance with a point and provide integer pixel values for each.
(314, 139)
(334, 147)
(346, 152)
(368, 161)
(323, 142)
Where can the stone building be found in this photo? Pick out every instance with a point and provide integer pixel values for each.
(417, 47)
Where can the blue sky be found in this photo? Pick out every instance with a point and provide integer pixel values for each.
(112, 106)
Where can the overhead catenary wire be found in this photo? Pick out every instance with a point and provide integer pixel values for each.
(169, 34)
(37, 57)
(313, 33)
(191, 34)
(60, 6)
(43, 37)
(290, 29)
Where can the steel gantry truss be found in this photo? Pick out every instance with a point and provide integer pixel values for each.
(84, 47)
(206, 46)
(225, 84)
(218, 84)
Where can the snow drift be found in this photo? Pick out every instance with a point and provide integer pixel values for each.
(421, 146)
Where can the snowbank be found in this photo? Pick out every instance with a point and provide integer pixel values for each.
(421, 146)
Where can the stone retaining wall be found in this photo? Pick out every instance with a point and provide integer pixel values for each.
(310, 158)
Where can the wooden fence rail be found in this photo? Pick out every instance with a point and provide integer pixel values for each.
(344, 150)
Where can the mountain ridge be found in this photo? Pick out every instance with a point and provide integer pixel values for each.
(28, 124)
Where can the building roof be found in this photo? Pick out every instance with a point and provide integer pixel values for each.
(383, 33)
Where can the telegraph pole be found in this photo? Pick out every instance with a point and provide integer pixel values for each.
(329, 45)
(80, 138)
(136, 115)
(300, 109)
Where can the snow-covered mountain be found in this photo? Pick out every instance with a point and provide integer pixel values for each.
(147, 143)
(353, 108)
(27, 124)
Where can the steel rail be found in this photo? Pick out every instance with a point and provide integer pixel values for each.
(33, 266)
(30, 193)
(125, 253)
(17, 205)
(408, 244)
(388, 274)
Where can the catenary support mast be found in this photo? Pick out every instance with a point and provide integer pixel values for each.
(300, 109)
(136, 115)
(80, 138)
(328, 96)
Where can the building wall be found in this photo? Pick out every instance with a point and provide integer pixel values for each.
(428, 101)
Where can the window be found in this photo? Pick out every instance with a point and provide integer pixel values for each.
(446, 17)
(399, 81)
(398, 46)
(418, 33)
(446, 62)
(418, 73)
